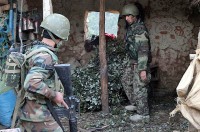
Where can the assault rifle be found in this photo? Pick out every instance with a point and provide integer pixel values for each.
(64, 74)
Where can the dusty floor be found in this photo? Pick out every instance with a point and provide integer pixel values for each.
(118, 120)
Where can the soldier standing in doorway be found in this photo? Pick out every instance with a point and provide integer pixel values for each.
(139, 51)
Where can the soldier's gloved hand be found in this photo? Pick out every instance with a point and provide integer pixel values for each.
(143, 76)
(59, 99)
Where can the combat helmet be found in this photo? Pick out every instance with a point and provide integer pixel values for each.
(130, 9)
(57, 24)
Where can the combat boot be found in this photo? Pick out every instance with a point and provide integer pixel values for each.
(140, 118)
(130, 108)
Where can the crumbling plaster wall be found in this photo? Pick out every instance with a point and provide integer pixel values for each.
(171, 35)
(172, 41)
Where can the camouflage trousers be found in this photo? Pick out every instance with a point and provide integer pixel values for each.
(50, 126)
(136, 89)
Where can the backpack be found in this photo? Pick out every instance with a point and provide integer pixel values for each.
(15, 72)
(15, 69)
(12, 70)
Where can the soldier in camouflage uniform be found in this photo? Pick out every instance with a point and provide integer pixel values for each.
(138, 48)
(40, 81)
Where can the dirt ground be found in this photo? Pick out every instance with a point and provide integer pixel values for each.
(118, 119)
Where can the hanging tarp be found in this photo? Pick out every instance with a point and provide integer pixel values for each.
(188, 91)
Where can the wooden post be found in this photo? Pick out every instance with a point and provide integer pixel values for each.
(102, 57)
(47, 8)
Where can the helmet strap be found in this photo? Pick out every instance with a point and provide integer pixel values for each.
(52, 37)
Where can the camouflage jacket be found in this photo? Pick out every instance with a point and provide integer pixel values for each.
(138, 45)
(39, 84)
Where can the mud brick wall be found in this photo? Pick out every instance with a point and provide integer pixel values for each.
(172, 32)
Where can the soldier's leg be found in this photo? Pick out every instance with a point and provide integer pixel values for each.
(141, 99)
(141, 93)
(127, 83)
(50, 126)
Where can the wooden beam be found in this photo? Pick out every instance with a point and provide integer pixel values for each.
(47, 8)
(102, 57)
(3, 2)
(6, 7)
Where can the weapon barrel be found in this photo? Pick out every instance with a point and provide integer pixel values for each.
(73, 125)
(64, 74)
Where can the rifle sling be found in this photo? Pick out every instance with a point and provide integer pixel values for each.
(53, 113)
